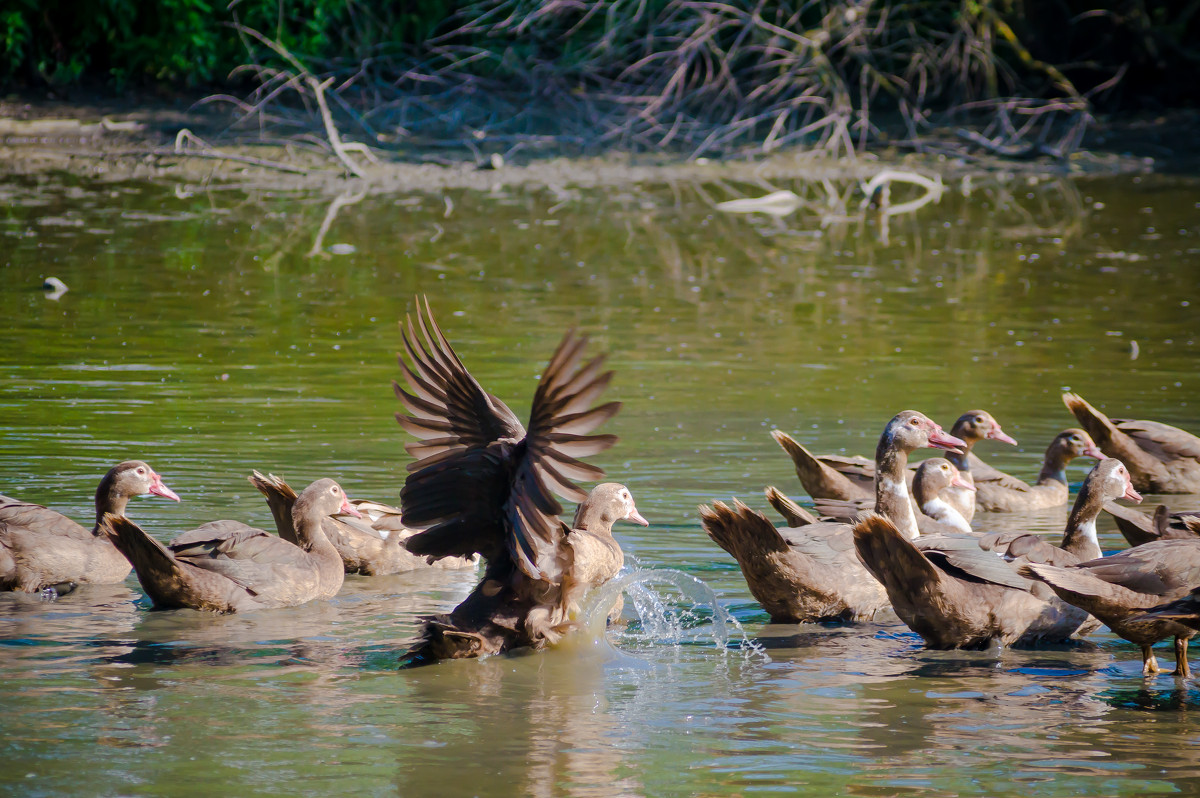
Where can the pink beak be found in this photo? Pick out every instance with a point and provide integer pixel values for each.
(159, 489)
(998, 434)
(940, 439)
(959, 482)
(1092, 451)
(348, 509)
(1132, 494)
(636, 517)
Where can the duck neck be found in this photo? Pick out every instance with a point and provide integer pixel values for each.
(109, 499)
(1054, 465)
(962, 461)
(891, 490)
(310, 536)
(592, 519)
(1079, 538)
(941, 511)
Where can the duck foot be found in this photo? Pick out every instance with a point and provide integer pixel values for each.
(1149, 663)
(1182, 671)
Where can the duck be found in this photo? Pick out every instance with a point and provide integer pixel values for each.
(997, 492)
(955, 592)
(932, 484)
(481, 484)
(1123, 587)
(810, 573)
(228, 566)
(371, 544)
(43, 550)
(1161, 458)
(1139, 528)
(848, 478)
(1108, 480)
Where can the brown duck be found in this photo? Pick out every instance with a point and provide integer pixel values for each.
(998, 492)
(1108, 480)
(810, 573)
(848, 478)
(371, 545)
(1161, 458)
(1125, 586)
(42, 549)
(1139, 528)
(482, 484)
(227, 566)
(956, 594)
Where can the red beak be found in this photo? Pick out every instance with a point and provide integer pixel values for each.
(348, 509)
(998, 434)
(159, 489)
(1132, 494)
(959, 482)
(940, 439)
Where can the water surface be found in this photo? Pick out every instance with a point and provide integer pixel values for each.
(214, 332)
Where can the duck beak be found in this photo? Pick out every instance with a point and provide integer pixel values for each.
(1093, 451)
(348, 509)
(940, 439)
(1132, 494)
(636, 517)
(998, 434)
(959, 482)
(159, 489)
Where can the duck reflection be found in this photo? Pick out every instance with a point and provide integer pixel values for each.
(543, 724)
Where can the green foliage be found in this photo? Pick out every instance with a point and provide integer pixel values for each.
(192, 41)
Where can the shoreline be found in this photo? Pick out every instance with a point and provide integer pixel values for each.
(164, 141)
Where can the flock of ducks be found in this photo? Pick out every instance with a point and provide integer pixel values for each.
(913, 550)
(481, 485)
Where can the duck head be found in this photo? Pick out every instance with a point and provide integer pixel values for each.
(327, 498)
(608, 503)
(935, 474)
(978, 425)
(910, 430)
(1078, 443)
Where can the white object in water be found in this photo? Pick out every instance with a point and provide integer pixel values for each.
(54, 288)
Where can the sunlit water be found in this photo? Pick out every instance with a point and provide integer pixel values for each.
(211, 333)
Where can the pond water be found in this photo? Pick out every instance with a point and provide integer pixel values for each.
(212, 332)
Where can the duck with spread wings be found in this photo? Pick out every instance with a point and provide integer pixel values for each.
(483, 484)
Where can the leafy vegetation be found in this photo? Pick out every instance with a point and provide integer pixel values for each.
(702, 75)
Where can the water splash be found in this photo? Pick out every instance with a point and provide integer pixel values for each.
(687, 613)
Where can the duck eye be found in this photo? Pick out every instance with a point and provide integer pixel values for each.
(141, 470)
(914, 421)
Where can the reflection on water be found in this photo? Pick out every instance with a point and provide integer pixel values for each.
(214, 332)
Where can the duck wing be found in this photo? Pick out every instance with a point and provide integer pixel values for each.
(1163, 441)
(1158, 568)
(559, 423)
(961, 556)
(481, 483)
(40, 520)
(450, 409)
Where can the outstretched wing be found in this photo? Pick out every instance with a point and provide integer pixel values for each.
(450, 410)
(559, 423)
(480, 483)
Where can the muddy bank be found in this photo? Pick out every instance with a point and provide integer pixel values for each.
(176, 141)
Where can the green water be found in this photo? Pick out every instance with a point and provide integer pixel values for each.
(201, 334)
